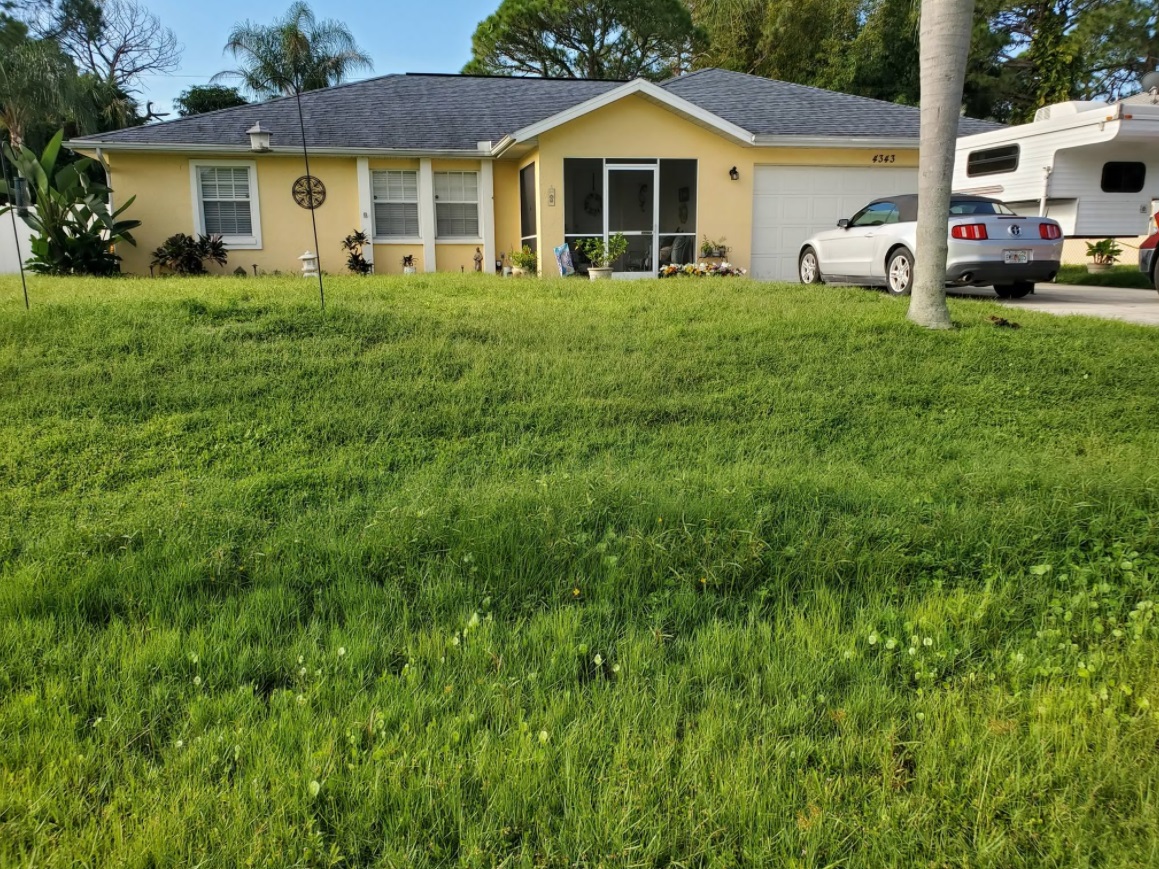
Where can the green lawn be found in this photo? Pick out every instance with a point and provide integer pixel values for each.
(687, 573)
(1118, 276)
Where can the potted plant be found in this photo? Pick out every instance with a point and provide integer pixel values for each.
(713, 248)
(601, 255)
(523, 260)
(1103, 254)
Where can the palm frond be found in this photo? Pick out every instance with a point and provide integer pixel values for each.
(293, 54)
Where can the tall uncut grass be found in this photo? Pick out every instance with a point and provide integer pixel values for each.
(470, 572)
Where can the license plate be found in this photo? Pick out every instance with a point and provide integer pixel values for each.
(1016, 257)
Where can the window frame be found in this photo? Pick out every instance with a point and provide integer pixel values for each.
(888, 207)
(474, 239)
(233, 242)
(398, 239)
(528, 206)
(972, 170)
(1121, 175)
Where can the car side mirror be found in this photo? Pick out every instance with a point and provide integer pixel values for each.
(843, 223)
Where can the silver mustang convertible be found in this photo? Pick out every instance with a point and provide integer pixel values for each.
(990, 245)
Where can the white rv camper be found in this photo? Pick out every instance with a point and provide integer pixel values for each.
(1092, 166)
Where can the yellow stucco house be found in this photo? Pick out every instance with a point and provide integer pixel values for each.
(443, 167)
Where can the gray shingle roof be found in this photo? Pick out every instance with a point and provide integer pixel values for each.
(408, 112)
(451, 112)
(776, 108)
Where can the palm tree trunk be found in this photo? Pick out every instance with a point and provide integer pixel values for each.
(946, 27)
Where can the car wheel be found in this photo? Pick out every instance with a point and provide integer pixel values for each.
(1016, 290)
(808, 268)
(899, 273)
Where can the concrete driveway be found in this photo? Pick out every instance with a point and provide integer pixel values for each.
(1111, 303)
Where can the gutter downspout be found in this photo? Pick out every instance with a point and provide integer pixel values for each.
(1046, 173)
(108, 176)
(109, 185)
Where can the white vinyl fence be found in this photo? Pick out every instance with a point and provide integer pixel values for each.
(9, 264)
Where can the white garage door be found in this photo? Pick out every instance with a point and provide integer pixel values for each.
(790, 203)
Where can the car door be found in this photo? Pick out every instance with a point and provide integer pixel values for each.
(850, 253)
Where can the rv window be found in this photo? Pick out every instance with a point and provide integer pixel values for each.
(992, 161)
(1124, 177)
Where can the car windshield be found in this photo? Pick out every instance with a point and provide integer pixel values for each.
(977, 206)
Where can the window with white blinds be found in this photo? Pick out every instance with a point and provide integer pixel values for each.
(225, 200)
(227, 203)
(457, 204)
(396, 203)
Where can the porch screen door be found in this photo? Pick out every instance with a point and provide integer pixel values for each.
(631, 207)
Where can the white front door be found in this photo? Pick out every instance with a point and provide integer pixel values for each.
(632, 208)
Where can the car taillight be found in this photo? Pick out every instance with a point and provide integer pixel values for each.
(970, 231)
(1049, 230)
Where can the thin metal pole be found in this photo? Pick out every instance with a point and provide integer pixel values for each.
(15, 232)
(310, 192)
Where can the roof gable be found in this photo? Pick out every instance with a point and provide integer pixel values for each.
(649, 91)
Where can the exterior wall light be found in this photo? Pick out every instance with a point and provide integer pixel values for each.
(733, 174)
(259, 138)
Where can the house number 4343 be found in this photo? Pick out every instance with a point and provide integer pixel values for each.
(884, 158)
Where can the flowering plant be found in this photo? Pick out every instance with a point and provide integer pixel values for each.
(701, 270)
(524, 258)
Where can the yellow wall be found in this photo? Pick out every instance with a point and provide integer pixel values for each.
(458, 257)
(388, 257)
(506, 206)
(161, 183)
(635, 127)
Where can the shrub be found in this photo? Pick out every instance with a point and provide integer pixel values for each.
(75, 231)
(355, 261)
(603, 256)
(524, 258)
(185, 255)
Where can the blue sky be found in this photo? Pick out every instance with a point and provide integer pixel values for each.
(430, 36)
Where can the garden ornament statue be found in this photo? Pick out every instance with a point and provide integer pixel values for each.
(309, 264)
(478, 260)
